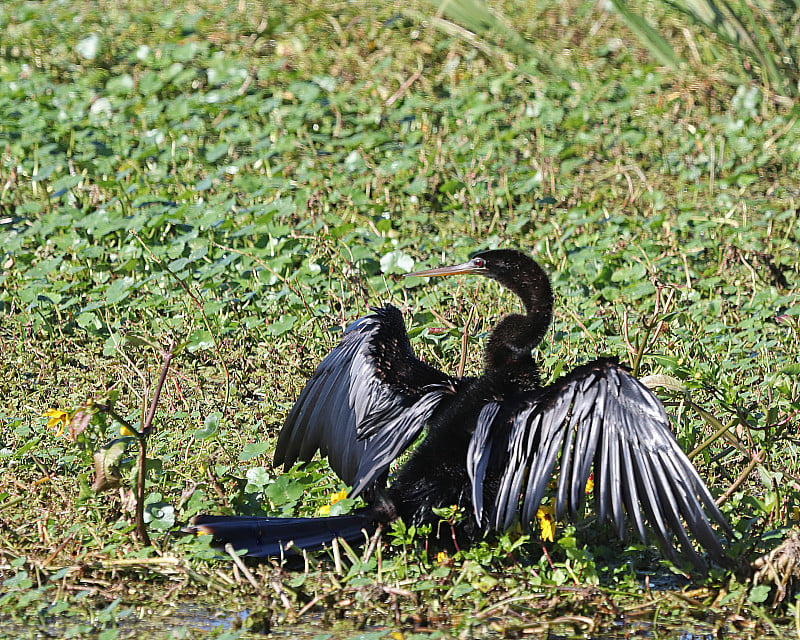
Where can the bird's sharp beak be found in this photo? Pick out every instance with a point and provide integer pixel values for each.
(465, 267)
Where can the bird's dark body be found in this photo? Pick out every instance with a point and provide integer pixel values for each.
(431, 479)
(435, 476)
(493, 443)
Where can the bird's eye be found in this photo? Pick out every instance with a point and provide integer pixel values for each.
(479, 262)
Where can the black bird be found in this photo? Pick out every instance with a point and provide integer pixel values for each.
(493, 443)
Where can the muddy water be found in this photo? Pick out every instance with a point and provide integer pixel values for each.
(193, 620)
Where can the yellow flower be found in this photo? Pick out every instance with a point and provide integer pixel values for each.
(58, 420)
(325, 510)
(547, 522)
(590, 483)
(442, 557)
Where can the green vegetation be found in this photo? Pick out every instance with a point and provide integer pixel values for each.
(232, 183)
(762, 34)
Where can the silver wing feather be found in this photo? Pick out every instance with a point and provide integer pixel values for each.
(366, 402)
(599, 417)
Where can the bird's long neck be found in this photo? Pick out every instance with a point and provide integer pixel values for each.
(516, 335)
(532, 286)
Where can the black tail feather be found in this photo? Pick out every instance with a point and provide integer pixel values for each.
(264, 537)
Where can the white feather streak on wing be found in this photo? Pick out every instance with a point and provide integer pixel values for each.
(541, 472)
(628, 486)
(570, 479)
(508, 491)
(623, 422)
(586, 441)
(478, 454)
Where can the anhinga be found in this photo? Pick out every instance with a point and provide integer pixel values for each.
(493, 443)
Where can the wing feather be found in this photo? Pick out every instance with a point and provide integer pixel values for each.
(366, 402)
(479, 453)
(630, 496)
(596, 419)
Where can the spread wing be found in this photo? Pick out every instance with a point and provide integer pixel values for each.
(366, 403)
(596, 419)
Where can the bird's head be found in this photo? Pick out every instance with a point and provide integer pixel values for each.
(508, 266)
(514, 337)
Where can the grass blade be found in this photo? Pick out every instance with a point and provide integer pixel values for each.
(649, 37)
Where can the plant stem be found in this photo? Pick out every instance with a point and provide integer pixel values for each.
(757, 459)
(144, 432)
(141, 529)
